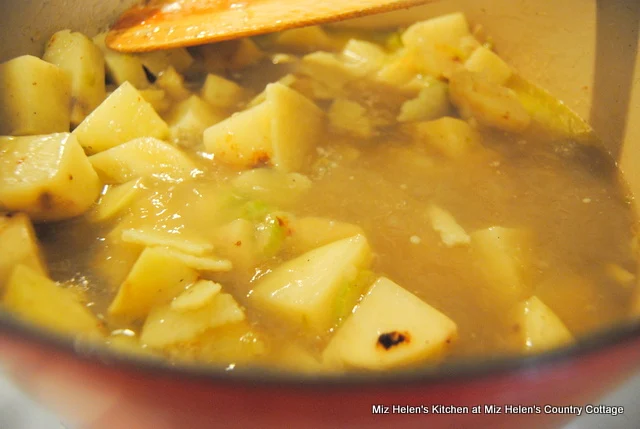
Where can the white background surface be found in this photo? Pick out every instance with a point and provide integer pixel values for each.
(19, 412)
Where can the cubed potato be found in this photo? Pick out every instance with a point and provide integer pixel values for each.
(350, 117)
(303, 290)
(188, 120)
(236, 241)
(400, 70)
(36, 97)
(448, 136)
(18, 246)
(431, 103)
(173, 84)
(48, 177)
(389, 328)
(121, 67)
(281, 132)
(155, 279)
(451, 233)
(491, 104)
(286, 80)
(83, 61)
(216, 56)
(329, 70)
(487, 63)
(123, 116)
(158, 61)
(306, 39)
(115, 200)
(366, 57)
(311, 232)
(443, 30)
(33, 297)
(222, 93)
(272, 186)
(157, 98)
(503, 256)
(166, 326)
(539, 328)
(142, 157)
(247, 53)
(149, 237)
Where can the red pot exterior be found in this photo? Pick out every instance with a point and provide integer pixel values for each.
(89, 394)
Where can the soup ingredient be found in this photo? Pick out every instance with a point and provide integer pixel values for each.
(133, 115)
(304, 290)
(76, 54)
(34, 297)
(539, 327)
(450, 137)
(122, 68)
(451, 233)
(18, 246)
(48, 177)
(24, 83)
(391, 327)
(115, 199)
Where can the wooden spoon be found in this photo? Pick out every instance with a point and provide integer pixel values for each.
(162, 24)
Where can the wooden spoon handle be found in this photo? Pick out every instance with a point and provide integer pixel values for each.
(161, 24)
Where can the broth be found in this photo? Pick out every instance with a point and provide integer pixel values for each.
(556, 188)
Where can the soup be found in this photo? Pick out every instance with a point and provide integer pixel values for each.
(314, 200)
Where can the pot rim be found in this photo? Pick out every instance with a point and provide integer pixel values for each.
(460, 370)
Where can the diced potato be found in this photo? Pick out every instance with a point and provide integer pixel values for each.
(121, 67)
(286, 80)
(198, 295)
(173, 84)
(155, 279)
(236, 241)
(306, 39)
(350, 117)
(83, 61)
(364, 56)
(620, 275)
(400, 70)
(123, 116)
(303, 289)
(48, 177)
(327, 69)
(296, 126)
(431, 103)
(222, 93)
(152, 238)
(18, 246)
(142, 157)
(166, 326)
(539, 327)
(294, 358)
(281, 132)
(157, 98)
(35, 298)
(158, 61)
(389, 328)
(448, 136)
(504, 258)
(491, 104)
(116, 199)
(188, 120)
(311, 232)
(246, 54)
(36, 97)
(451, 233)
(487, 63)
(443, 30)
(272, 186)
(216, 56)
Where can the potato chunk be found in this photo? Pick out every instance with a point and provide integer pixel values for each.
(77, 55)
(304, 289)
(48, 177)
(123, 116)
(222, 93)
(155, 279)
(443, 30)
(539, 327)
(451, 233)
(188, 120)
(35, 298)
(18, 246)
(145, 156)
(487, 63)
(36, 97)
(431, 103)
(280, 131)
(122, 67)
(390, 327)
(350, 117)
(311, 232)
(450, 137)
(158, 61)
(173, 84)
(272, 186)
(116, 200)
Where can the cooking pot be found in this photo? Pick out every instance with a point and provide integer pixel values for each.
(585, 52)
